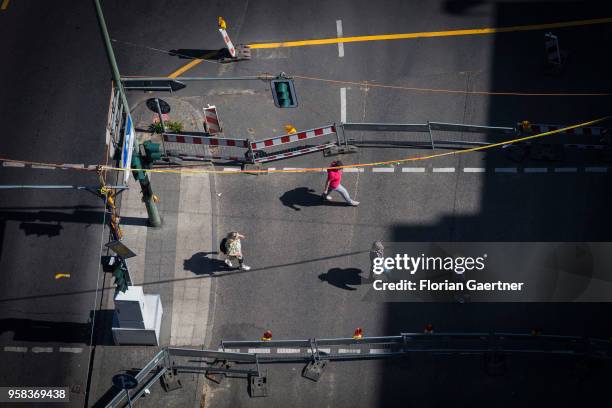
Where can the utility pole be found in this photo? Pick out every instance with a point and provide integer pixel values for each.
(145, 185)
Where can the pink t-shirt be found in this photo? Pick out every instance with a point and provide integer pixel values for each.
(334, 177)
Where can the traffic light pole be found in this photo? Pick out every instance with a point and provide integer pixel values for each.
(145, 184)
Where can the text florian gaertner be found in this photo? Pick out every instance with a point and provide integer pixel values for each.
(456, 265)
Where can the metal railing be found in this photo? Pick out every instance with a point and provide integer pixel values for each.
(243, 359)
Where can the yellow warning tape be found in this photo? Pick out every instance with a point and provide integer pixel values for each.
(319, 169)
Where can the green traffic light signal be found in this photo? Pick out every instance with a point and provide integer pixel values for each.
(283, 92)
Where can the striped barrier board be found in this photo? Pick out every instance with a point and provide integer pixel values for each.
(293, 153)
(294, 137)
(208, 141)
(228, 42)
(211, 120)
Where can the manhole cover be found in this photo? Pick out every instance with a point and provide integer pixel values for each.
(163, 105)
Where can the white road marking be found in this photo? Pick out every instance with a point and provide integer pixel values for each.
(353, 170)
(42, 349)
(443, 169)
(536, 170)
(259, 351)
(349, 351)
(272, 168)
(340, 44)
(288, 350)
(506, 169)
(42, 166)
(383, 169)
(321, 350)
(596, 169)
(413, 169)
(380, 351)
(566, 169)
(292, 168)
(16, 349)
(12, 164)
(474, 170)
(228, 169)
(75, 350)
(343, 105)
(229, 350)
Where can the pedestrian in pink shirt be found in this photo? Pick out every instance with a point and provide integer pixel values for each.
(334, 177)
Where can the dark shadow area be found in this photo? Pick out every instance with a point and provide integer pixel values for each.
(343, 278)
(44, 331)
(202, 263)
(34, 228)
(112, 391)
(103, 324)
(307, 197)
(525, 209)
(39, 222)
(210, 55)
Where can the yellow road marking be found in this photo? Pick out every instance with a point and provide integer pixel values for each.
(5, 4)
(427, 34)
(184, 68)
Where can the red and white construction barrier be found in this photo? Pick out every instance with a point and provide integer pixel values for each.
(208, 141)
(295, 137)
(211, 120)
(293, 153)
(228, 42)
(582, 131)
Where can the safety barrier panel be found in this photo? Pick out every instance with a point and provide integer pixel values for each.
(212, 124)
(169, 362)
(281, 147)
(198, 147)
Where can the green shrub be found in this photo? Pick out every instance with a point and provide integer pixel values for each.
(171, 126)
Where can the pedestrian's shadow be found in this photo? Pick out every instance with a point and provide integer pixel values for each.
(342, 278)
(306, 197)
(203, 263)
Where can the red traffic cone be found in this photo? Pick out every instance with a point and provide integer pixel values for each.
(267, 336)
(358, 333)
(429, 329)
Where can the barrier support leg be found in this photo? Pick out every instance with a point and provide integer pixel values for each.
(341, 148)
(430, 136)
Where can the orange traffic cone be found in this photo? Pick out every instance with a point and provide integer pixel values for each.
(429, 329)
(358, 333)
(267, 336)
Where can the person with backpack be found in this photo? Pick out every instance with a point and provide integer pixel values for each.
(334, 177)
(231, 246)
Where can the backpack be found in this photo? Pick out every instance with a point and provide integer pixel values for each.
(223, 246)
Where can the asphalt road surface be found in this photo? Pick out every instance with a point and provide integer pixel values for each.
(53, 101)
(309, 258)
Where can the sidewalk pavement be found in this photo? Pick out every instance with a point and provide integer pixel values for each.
(174, 261)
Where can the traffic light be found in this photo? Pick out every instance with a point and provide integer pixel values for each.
(283, 92)
(139, 175)
(151, 152)
(121, 275)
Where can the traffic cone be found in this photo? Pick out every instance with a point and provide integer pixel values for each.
(525, 126)
(267, 336)
(290, 129)
(429, 329)
(358, 333)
